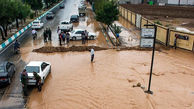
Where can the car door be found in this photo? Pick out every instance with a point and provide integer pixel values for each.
(8, 69)
(78, 35)
(44, 69)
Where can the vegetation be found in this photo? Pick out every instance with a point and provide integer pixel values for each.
(116, 29)
(15, 10)
(12, 10)
(106, 11)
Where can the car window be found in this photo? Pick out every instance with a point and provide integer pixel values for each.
(31, 69)
(64, 22)
(2, 69)
(8, 65)
(43, 66)
(78, 32)
(35, 22)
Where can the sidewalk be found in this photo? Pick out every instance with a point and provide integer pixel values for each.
(129, 35)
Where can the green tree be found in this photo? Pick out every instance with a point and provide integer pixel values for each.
(35, 5)
(7, 14)
(107, 13)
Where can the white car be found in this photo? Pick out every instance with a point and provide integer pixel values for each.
(37, 24)
(41, 68)
(66, 26)
(77, 33)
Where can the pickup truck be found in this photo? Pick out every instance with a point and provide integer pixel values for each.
(37, 24)
(65, 26)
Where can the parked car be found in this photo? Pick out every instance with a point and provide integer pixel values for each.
(77, 33)
(61, 6)
(7, 70)
(82, 11)
(74, 18)
(65, 26)
(49, 15)
(42, 68)
(37, 24)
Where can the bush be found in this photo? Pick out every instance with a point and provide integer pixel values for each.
(158, 22)
(31, 15)
(116, 29)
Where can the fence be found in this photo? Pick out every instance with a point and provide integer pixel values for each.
(165, 35)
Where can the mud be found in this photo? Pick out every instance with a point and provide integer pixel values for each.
(51, 49)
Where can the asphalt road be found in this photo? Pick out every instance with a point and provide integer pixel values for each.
(11, 96)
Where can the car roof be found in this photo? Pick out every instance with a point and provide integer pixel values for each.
(79, 29)
(36, 21)
(65, 21)
(74, 16)
(35, 63)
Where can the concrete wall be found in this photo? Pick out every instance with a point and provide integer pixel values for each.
(165, 35)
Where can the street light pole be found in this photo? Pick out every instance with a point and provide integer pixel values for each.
(152, 62)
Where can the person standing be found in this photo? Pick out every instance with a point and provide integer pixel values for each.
(38, 80)
(68, 36)
(59, 35)
(49, 34)
(92, 54)
(175, 41)
(34, 34)
(45, 36)
(86, 36)
(24, 80)
(83, 38)
(64, 36)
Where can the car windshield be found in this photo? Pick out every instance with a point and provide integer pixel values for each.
(2, 69)
(73, 31)
(64, 22)
(49, 13)
(35, 22)
(74, 16)
(31, 69)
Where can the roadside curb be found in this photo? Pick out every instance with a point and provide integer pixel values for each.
(16, 35)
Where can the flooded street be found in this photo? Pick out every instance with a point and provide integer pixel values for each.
(107, 83)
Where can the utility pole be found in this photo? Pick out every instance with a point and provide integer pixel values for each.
(152, 61)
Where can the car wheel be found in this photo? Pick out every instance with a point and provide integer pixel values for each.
(92, 37)
(42, 81)
(74, 38)
(50, 70)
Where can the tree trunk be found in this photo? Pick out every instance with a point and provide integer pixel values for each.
(17, 24)
(3, 38)
(5, 30)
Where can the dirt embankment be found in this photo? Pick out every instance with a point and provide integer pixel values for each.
(170, 11)
(51, 49)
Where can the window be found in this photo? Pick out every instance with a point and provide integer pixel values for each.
(8, 65)
(78, 32)
(31, 69)
(64, 22)
(2, 69)
(43, 66)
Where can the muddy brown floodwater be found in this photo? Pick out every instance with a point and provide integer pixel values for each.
(76, 83)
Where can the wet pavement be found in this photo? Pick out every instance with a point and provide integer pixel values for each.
(130, 35)
(107, 83)
(11, 96)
